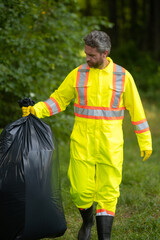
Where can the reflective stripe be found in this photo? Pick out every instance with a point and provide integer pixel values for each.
(114, 112)
(118, 85)
(104, 212)
(98, 112)
(141, 126)
(52, 106)
(82, 79)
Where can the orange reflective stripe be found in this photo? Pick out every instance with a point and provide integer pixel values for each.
(49, 108)
(77, 82)
(98, 112)
(118, 85)
(85, 84)
(140, 126)
(138, 122)
(98, 117)
(52, 106)
(81, 83)
(100, 108)
(58, 107)
(114, 84)
(123, 80)
(111, 113)
(141, 131)
(104, 212)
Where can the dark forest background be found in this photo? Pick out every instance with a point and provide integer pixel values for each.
(41, 41)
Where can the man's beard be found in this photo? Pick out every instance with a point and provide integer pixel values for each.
(95, 65)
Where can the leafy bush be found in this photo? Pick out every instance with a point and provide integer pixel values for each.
(40, 42)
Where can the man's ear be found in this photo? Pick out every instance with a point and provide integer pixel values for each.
(105, 54)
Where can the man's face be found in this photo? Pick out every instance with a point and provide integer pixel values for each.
(93, 57)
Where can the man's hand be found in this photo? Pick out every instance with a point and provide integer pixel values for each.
(27, 110)
(146, 154)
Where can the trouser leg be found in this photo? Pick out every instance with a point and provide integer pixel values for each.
(104, 227)
(88, 221)
(82, 178)
(108, 180)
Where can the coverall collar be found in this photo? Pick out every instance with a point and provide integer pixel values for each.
(109, 67)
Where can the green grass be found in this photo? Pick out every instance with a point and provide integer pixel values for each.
(138, 209)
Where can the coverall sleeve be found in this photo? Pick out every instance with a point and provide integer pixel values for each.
(133, 104)
(58, 100)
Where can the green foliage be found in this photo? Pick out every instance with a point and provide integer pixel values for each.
(40, 42)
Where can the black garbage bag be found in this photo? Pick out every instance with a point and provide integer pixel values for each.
(30, 196)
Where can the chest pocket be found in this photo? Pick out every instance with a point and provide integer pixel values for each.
(117, 85)
(82, 84)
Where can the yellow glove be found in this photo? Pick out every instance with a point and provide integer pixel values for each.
(27, 110)
(146, 154)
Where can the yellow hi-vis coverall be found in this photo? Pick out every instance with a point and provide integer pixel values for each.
(96, 153)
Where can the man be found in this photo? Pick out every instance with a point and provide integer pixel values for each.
(102, 90)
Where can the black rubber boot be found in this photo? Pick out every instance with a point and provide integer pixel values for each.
(88, 222)
(104, 227)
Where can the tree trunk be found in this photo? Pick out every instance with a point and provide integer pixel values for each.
(134, 19)
(113, 19)
(156, 28)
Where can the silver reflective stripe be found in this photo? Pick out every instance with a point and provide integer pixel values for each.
(141, 126)
(52, 105)
(119, 74)
(103, 214)
(99, 113)
(83, 68)
(81, 82)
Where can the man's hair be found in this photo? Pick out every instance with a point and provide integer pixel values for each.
(99, 40)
